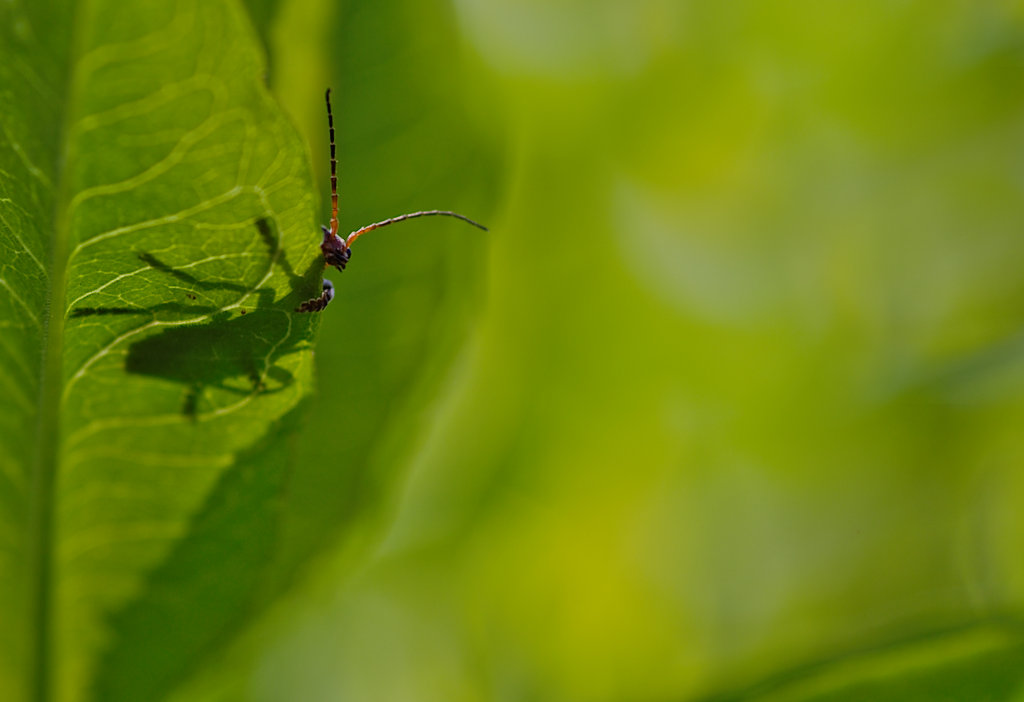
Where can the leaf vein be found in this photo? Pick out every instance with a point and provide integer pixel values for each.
(176, 155)
(203, 206)
(14, 295)
(14, 233)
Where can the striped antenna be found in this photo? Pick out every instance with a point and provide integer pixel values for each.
(401, 218)
(334, 167)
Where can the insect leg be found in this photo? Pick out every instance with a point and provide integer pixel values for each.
(318, 303)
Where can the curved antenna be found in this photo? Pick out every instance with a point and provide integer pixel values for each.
(334, 168)
(401, 218)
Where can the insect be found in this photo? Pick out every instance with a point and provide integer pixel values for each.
(337, 250)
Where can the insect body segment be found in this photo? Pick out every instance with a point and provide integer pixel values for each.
(318, 303)
(336, 250)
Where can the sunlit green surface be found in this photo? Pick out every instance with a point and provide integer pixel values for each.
(726, 405)
(154, 212)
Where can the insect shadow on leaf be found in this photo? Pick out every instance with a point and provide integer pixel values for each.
(298, 282)
(233, 354)
(236, 355)
(264, 296)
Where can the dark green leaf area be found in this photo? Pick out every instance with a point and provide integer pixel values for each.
(983, 663)
(986, 678)
(205, 586)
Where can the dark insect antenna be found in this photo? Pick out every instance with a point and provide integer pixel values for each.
(337, 250)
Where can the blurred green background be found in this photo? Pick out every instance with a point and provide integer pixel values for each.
(728, 403)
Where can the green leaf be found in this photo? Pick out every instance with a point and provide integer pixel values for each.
(157, 230)
(977, 661)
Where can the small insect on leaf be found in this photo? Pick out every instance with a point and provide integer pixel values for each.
(337, 250)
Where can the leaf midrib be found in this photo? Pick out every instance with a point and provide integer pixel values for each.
(44, 475)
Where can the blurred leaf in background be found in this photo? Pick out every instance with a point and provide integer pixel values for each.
(741, 399)
(405, 141)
